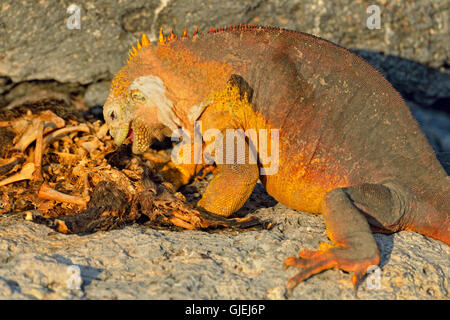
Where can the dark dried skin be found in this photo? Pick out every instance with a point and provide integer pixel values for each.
(349, 146)
(6, 142)
(111, 208)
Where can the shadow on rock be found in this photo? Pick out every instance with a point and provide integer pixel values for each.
(386, 243)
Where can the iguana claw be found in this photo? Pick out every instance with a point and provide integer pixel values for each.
(313, 262)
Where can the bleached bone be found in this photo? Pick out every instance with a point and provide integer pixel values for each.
(25, 174)
(45, 192)
(49, 138)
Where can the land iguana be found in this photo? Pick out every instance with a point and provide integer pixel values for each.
(349, 147)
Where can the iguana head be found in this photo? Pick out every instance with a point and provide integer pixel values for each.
(138, 108)
(115, 111)
(161, 89)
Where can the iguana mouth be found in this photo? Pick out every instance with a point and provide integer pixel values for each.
(130, 134)
(120, 134)
(135, 132)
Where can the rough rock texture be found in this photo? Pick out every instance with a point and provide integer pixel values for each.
(97, 93)
(41, 47)
(143, 263)
(416, 30)
(41, 53)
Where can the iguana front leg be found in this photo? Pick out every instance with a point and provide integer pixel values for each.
(235, 180)
(230, 188)
(226, 192)
(347, 212)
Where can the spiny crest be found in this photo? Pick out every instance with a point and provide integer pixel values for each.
(172, 36)
(162, 39)
(241, 27)
(120, 83)
(133, 51)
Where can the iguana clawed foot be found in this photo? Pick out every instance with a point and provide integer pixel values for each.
(328, 257)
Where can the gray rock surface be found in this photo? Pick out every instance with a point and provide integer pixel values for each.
(142, 263)
(97, 93)
(42, 47)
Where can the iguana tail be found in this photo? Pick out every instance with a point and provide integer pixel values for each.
(430, 214)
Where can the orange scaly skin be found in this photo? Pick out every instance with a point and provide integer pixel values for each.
(348, 145)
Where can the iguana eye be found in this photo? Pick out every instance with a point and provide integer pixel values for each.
(137, 96)
(112, 115)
